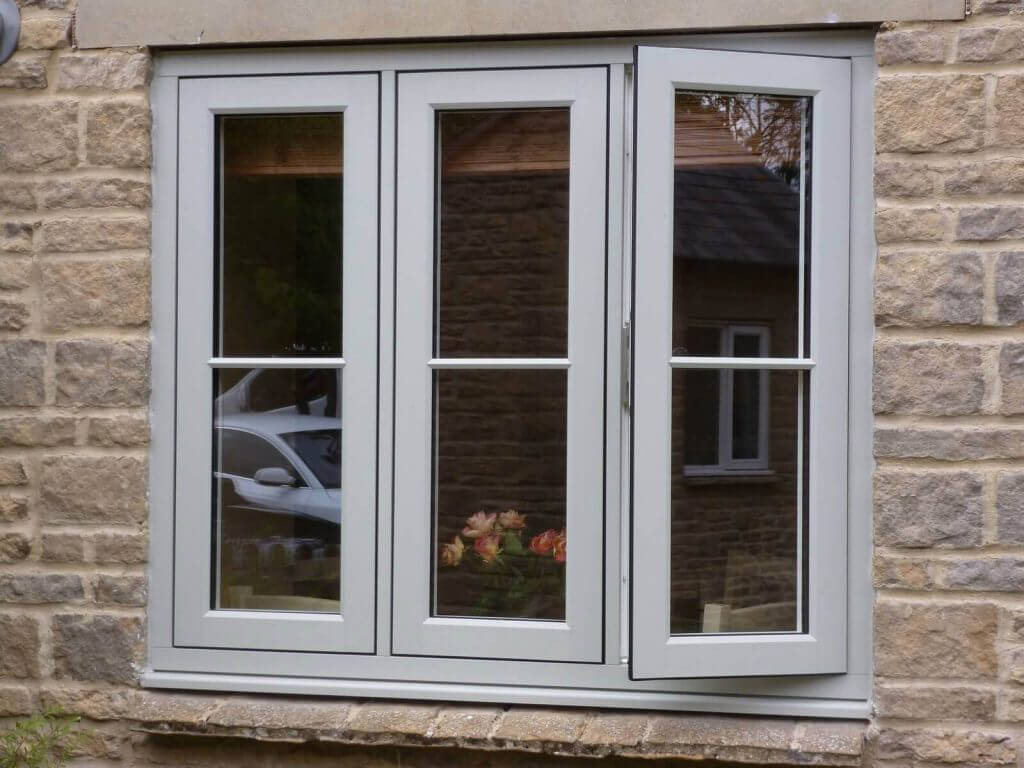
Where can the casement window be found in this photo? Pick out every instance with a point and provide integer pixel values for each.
(514, 373)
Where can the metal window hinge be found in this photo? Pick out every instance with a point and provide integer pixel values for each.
(624, 363)
(967, 7)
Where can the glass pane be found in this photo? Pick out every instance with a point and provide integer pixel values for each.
(277, 489)
(280, 270)
(746, 414)
(500, 495)
(741, 181)
(734, 550)
(503, 233)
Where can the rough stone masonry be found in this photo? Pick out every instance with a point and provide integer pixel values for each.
(949, 402)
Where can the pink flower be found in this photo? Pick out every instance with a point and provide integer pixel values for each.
(543, 543)
(511, 520)
(480, 524)
(558, 550)
(451, 554)
(488, 547)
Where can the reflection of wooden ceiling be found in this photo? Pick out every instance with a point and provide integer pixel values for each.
(485, 142)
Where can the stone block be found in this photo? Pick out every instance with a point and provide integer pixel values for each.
(90, 293)
(384, 722)
(929, 509)
(19, 646)
(40, 588)
(15, 700)
(14, 547)
(120, 590)
(934, 702)
(1011, 374)
(39, 136)
(901, 178)
(15, 274)
(62, 548)
(13, 509)
(942, 641)
(16, 236)
(1010, 508)
(929, 113)
(111, 192)
(990, 222)
(462, 724)
(1008, 128)
(21, 372)
(928, 378)
(117, 133)
(111, 70)
(945, 745)
(981, 44)
(24, 72)
(83, 234)
(527, 725)
(278, 717)
(1004, 175)
(619, 731)
(119, 432)
(12, 472)
(929, 289)
(94, 490)
(124, 548)
(97, 647)
(92, 703)
(723, 738)
(31, 431)
(45, 32)
(14, 314)
(891, 572)
(1010, 288)
(997, 574)
(101, 373)
(903, 225)
(966, 444)
(919, 46)
(17, 196)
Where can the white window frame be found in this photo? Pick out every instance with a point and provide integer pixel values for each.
(421, 95)
(820, 645)
(726, 464)
(197, 622)
(608, 683)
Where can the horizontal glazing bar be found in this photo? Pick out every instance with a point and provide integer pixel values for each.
(499, 363)
(276, 362)
(742, 363)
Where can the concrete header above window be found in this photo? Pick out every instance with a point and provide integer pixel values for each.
(103, 23)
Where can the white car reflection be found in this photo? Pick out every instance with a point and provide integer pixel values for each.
(280, 462)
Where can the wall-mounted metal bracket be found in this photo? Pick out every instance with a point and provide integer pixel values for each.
(10, 28)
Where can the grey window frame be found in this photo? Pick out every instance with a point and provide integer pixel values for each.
(603, 684)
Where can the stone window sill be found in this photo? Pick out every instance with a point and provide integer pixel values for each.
(566, 732)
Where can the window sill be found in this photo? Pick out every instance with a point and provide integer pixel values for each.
(578, 732)
(731, 477)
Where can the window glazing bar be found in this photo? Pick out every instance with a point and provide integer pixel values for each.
(276, 362)
(500, 363)
(742, 363)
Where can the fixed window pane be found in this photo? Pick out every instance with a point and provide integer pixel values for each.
(503, 233)
(280, 236)
(735, 559)
(741, 181)
(277, 489)
(500, 494)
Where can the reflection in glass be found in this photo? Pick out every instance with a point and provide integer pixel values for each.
(503, 233)
(280, 271)
(500, 524)
(277, 489)
(734, 548)
(741, 182)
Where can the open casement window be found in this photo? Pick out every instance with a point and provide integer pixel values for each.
(498, 505)
(742, 223)
(276, 355)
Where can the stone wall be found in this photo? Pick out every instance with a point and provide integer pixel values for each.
(949, 399)
(949, 391)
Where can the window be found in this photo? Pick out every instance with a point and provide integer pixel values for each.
(517, 374)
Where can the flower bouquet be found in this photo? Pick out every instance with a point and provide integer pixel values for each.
(500, 574)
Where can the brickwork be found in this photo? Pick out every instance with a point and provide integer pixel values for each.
(949, 440)
(948, 391)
